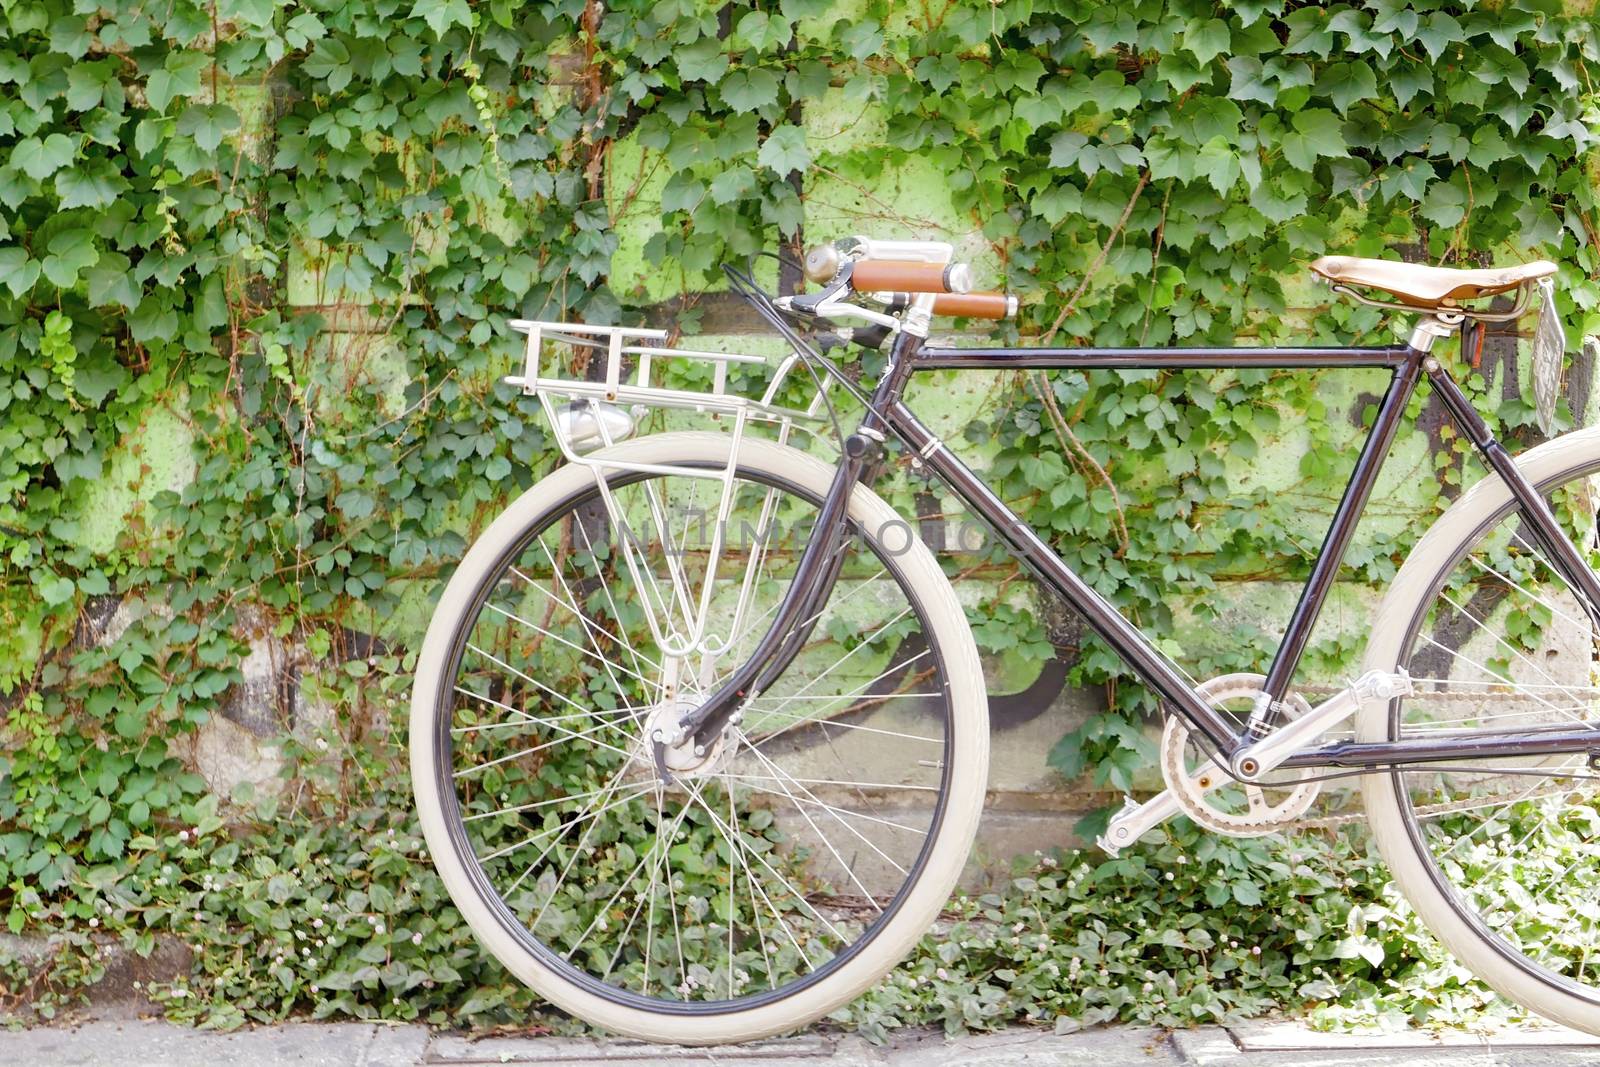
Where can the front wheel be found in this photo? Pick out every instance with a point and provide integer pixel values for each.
(778, 874)
(1500, 856)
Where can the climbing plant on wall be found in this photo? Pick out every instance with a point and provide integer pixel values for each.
(1147, 172)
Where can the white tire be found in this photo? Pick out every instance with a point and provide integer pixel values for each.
(1496, 962)
(924, 897)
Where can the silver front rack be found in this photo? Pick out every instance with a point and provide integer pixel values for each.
(604, 403)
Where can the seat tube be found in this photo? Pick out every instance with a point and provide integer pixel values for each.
(1325, 571)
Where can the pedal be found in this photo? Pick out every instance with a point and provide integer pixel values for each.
(1135, 820)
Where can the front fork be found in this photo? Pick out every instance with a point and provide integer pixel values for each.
(813, 581)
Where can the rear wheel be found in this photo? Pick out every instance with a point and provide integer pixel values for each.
(1500, 856)
(782, 871)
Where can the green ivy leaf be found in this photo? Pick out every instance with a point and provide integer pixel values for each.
(1020, 72)
(862, 39)
(70, 36)
(1181, 71)
(18, 271)
(1488, 147)
(440, 15)
(1206, 39)
(250, 12)
(939, 71)
(56, 589)
(94, 185)
(1439, 33)
(1308, 31)
(704, 60)
(735, 183)
(330, 60)
(178, 76)
(807, 80)
(1346, 83)
(14, 69)
(762, 31)
(1066, 148)
(40, 158)
(750, 89)
(1058, 202)
(71, 252)
(153, 320)
(682, 192)
(794, 10)
(1169, 159)
(129, 723)
(1497, 66)
(1407, 81)
(86, 84)
(1409, 180)
(785, 150)
(1317, 133)
(208, 124)
(784, 209)
(1395, 16)
(110, 282)
(1218, 163)
(355, 504)
(1249, 81)
(1357, 26)
(1445, 204)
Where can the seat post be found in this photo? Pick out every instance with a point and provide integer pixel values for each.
(1432, 326)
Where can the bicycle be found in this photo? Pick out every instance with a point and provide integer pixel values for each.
(702, 770)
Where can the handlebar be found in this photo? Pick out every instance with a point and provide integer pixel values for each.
(897, 276)
(976, 305)
(894, 272)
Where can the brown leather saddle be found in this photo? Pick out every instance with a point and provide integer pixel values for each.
(1421, 286)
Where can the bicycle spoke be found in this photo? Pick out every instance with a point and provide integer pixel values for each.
(785, 776)
(714, 884)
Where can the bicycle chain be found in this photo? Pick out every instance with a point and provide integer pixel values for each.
(1442, 808)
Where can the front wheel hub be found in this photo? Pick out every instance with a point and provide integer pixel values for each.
(661, 724)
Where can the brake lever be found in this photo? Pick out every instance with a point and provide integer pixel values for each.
(830, 303)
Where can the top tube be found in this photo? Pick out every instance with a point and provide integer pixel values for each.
(935, 357)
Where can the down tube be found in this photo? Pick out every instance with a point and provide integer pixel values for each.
(1118, 632)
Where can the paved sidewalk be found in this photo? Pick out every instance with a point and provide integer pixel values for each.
(144, 1043)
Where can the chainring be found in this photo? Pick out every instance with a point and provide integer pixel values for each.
(1195, 787)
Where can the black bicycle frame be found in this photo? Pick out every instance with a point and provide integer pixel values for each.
(888, 414)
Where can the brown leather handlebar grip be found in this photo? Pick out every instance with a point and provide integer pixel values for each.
(976, 305)
(897, 276)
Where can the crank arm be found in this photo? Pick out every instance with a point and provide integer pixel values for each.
(1135, 819)
(1250, 762)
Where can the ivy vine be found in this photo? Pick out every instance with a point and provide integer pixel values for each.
(207, 208)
